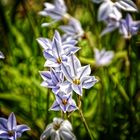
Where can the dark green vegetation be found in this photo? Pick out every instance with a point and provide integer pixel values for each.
(111, 107)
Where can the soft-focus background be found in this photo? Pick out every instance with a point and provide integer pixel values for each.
(112, 113)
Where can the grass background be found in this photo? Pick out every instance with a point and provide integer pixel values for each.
(111, 107)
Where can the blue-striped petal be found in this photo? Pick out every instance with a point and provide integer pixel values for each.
(22, 128)
(11, 123)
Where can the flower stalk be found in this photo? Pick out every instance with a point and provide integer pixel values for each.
(83, 118)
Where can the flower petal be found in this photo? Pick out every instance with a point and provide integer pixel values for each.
(74, 64)
(3, 123)
(66, 125)
(110, 28)
(55, 136)
(77, 89)
(57, 48)
(84, 71)
(49, 56)
(104, 10)
(69, 49)
(126, 5)
(55, 106)
(46, 75)
(65, 87)
(66, 71)
(67, 135)
(67, 29)
(4, 134)
(57, 36)
(55, 14)
(22, 128)
(49, 63)
(49, 6)
(47, 132)
(60, 5)
(44, 43)
(72, 106)
(88, 82)
(55, 76)
(11, 123)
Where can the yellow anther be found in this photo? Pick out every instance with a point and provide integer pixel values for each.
(11, 133)
(56, 126)
(64, 101)
(76, 81)
(59, 60)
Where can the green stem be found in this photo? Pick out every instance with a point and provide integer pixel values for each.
(83, 118)
(47, 105)
(128, 88)
(120, 88)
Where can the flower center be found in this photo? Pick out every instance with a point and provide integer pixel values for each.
(10, 133)
(56, 126)
(64, 101)
(76, 81)
(59, 60)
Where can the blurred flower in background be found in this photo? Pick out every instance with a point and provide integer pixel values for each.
(58, 129)
(73, 29)
(103, 57)
(108, 7)
(56, 11)
(128, 27)
(1, 55)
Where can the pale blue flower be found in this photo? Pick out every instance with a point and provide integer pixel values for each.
(9, 128)
(64, 102)
(73, 29)
(103, 57)
(59, 52)
(1, 55)
(78, 77)
(107, 7)
(59, 129)
(52, 79)
(56, 11)
(128, 27)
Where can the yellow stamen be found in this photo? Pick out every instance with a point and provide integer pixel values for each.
(11, 133)
(76, 81)
(56, 126)
(64, 101)
(59, 60)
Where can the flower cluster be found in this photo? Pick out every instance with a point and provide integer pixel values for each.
(65, 73)
(65, 76)
(110, 13)
(9, 128)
